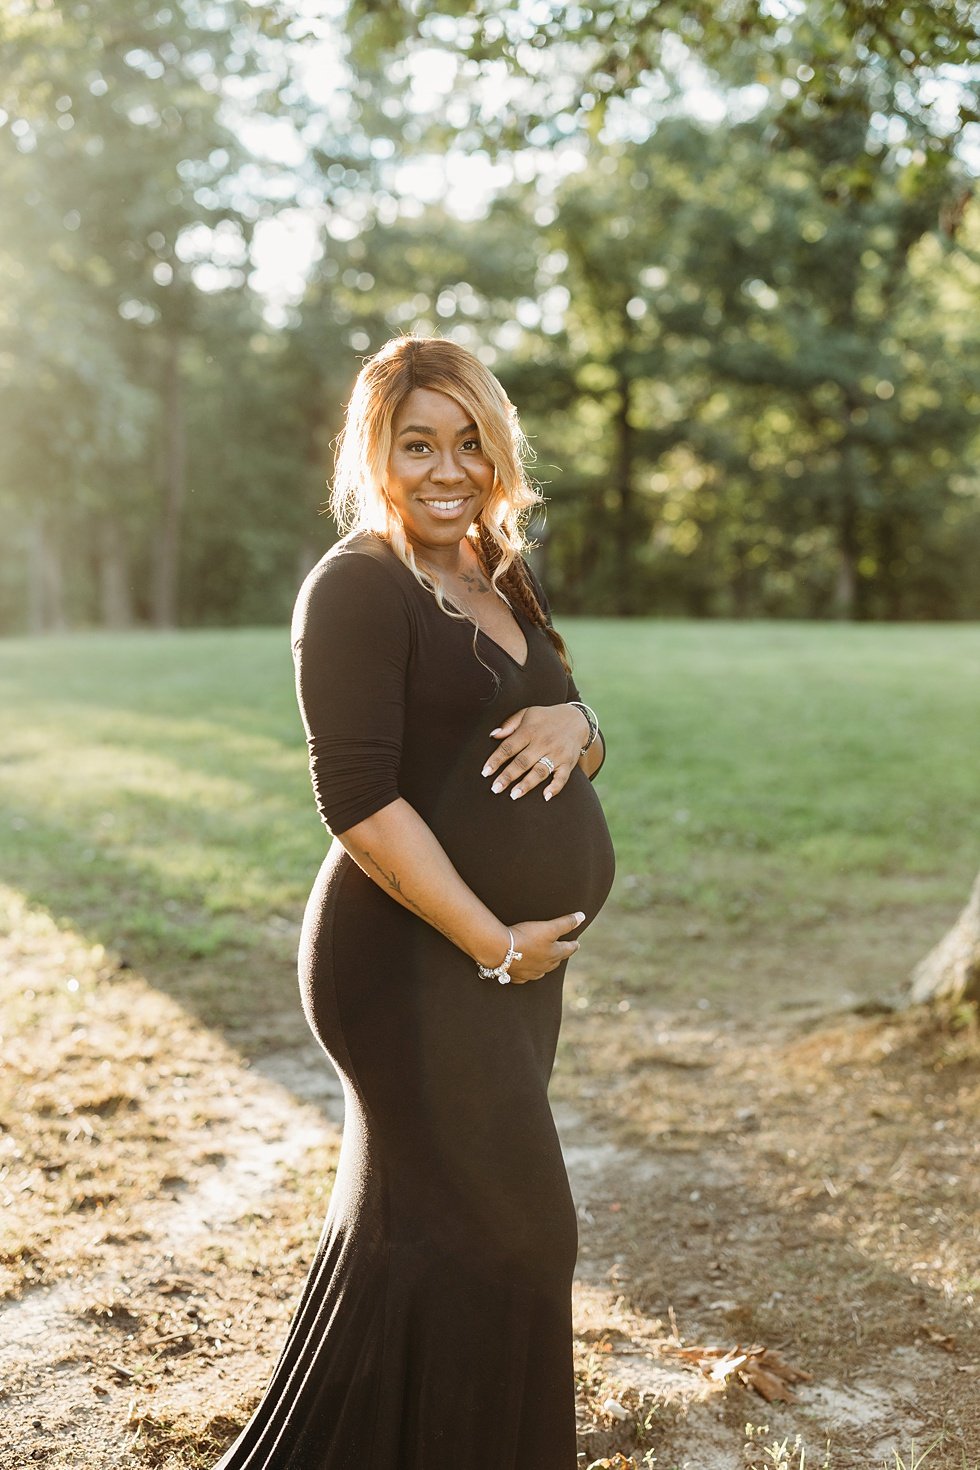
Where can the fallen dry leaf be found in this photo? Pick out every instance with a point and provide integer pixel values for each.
(759, 1368)
(940, 1339)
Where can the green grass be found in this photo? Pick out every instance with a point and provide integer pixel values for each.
(155, 787)
(844, 749)
(154, 793)
(767, 774)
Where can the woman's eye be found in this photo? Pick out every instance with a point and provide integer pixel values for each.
(417, 446)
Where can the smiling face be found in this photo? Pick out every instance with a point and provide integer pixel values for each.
(438, 477)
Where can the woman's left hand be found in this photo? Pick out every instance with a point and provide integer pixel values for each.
(557, 731)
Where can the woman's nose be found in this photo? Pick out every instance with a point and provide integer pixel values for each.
(447, 471)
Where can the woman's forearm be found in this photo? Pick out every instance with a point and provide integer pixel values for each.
(402, 854)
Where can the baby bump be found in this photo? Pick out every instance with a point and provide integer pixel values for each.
(527, 859)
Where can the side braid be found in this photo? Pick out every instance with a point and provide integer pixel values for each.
(517, 584)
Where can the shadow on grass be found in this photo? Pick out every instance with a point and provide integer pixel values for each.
(234, 971)
(794, 1278)
(736, 1253)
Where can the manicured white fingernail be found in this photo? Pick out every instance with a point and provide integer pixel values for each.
(516, 793)
(486, 770)
(548, 795)
(497, 787)
(498, 731)
(580, 918)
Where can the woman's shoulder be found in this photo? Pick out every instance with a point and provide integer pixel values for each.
(361, 559)
(359, 573)
(362, 544)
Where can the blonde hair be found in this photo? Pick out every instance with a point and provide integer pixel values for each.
(358, 500)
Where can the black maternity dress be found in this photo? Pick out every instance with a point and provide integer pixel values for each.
(434, 1329)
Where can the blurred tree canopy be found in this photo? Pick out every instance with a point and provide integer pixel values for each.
(726, 261)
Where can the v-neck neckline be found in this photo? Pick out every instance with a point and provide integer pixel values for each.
(480, 631)
(495, 592)
(506, 652)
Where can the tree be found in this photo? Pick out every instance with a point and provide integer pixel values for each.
(113, 152)
(756, 380)
(832, 443)
(951, 971)
(574, 61)
(742, 348)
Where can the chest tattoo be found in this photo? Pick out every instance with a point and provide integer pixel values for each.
(473, 582)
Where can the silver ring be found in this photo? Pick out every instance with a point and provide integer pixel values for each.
(545, 760)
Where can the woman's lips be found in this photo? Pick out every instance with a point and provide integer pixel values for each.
(445, 507)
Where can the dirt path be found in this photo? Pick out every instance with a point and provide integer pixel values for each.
(790, 1193)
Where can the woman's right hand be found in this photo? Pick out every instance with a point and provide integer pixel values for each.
(542, 947)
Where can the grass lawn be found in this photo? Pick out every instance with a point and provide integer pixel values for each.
(794, 812)
(763, 781)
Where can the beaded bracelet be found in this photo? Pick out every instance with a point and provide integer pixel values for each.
(500, 972)
(590, 715)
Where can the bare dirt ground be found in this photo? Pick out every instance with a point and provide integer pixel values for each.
(803, 1186)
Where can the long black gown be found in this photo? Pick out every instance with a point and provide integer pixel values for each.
(434, 1328)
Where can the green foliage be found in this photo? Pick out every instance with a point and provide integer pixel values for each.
(742, 348)
(113, 151)
(787, 405)
(577, 59)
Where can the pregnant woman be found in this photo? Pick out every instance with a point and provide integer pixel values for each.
(451, 758)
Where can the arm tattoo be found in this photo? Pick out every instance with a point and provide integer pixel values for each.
(393, 881)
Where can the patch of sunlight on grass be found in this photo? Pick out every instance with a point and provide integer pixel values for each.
(154, 789)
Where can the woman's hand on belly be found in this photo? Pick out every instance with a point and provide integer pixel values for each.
(402, 855)
(542, 946)
(556, 732)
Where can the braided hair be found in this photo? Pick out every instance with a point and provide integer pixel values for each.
(517, 585)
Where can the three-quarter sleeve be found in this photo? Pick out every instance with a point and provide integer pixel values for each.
(571, 688)
(351, 638)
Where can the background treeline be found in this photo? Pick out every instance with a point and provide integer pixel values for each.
(729, 271)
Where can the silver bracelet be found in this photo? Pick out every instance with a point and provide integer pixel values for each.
(590, 715)
(501, 972)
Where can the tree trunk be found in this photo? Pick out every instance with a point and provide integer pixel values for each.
(625, 513)
(115, 590)
(889, 579)
(592, 526)
(846, 591)
(165, 598)
(740, 585)
(45, 586)
(951, 971)
(35, 577)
